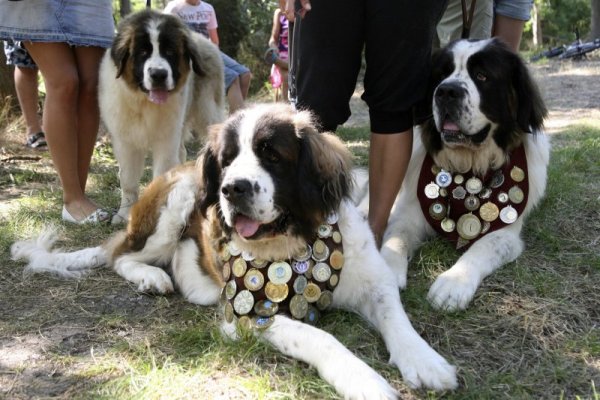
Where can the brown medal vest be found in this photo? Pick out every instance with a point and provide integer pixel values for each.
(464, 207)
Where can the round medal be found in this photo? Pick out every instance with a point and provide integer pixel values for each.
(228, 312)
(230, 289)
(304, 254)
(300, 284)
(443, 179)
(437, 211)
(489, 211)
(224, 253)
(468, 226)
(448, 225)
(312, 315)
(474, 185)
(258, 263)
(459, 193)
(485, 193)
(459, 179)
(337, 237)
(300, 267)
(443, 192)
(276, 293)
(246, 255)
(333, 281)
(298, 306)
(320, 251)
(432, 191)
(266, 308)
(245, 323)
(312, 292)
(226, 271)
(324, 231)
(262, 322)
(502, 197)
(239, 267)
(508, 215)
(336, 260)
(485, 227)
(516, 195)
(279, 272)
(321, 272)
(233, 249)
(497, 179)
(254, 280)
(471, 203)
(243, 302)
(517, 174)
(325, 300)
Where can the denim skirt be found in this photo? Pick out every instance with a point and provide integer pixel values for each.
(76, 22)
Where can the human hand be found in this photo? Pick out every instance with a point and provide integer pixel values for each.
(290, 12)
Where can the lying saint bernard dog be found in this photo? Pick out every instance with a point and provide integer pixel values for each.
(264, 221)
(477, 170)
(159, 83)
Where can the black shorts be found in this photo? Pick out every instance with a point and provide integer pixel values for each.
(327, 52)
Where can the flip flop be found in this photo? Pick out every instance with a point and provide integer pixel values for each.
(36, 141)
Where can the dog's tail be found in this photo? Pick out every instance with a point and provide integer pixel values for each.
(42, 258)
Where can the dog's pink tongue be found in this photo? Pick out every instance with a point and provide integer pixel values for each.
(158, 96)
(246, 227)
(450, 126)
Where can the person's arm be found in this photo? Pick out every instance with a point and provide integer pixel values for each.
(289, 8)
(273, 40)
(213, 36)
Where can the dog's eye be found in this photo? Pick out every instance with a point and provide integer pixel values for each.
(269, 154)
(481, 77)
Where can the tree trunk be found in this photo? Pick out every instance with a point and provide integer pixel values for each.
(536, 26)
(125, 7)
(595, 19)
(8, 92)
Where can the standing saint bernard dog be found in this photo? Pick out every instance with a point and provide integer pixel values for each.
(264, 221)
(159, 84)
(477, 170)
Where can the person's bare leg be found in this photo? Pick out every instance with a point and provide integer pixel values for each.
(88, 60)
(26, 84)
(57, 64)
(235, 97)
(245, 84)
(389, 155)
(509, 30)
(284, 86)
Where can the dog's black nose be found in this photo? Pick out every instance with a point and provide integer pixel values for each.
(158, 75)
(237, 189)
(447, 92)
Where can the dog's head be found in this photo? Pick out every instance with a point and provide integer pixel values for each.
(483, 101)
(153, 52)
(273, 176)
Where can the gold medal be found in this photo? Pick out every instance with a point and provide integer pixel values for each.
(517, 174)
(239, 267)
(254, 280)
(516, 195)
(298, 306)
(325, 300)
(224, 253)
(471, 203)
(276, 293)
(468, 226)
(258, 263)
(489, 211)
(230, 289)
(228, 312)
(448, 225)
(320, 251)
(266, 308)
(304, 254)
(226, 271)
(333, 281)
(474, 185)
(245, 323)
(279, 272)
(337, 237)
(508, 215)
(300, 284)
(435, 169)
(437, 211)
(243, 302)
(324, 231)
(312, 292)
(336, 260)
(321, 272)
(432, 191)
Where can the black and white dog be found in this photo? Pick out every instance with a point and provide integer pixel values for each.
(266, 214)
(159, 83)
(477, 170)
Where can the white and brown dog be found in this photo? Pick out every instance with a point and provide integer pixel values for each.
(160, 83)
(263, 187)
(477, 170)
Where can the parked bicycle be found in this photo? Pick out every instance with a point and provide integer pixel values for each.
(577, 50)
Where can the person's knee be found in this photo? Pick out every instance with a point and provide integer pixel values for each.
(235, 84)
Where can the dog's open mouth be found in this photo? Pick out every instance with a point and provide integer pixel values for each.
(251, 229)
(158, 96)
(451, 133)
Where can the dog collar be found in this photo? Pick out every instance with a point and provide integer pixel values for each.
(465, 207)
(300, 287)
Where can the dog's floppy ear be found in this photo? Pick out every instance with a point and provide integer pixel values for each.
(530, 107)
(120, 49)
(210, 170)
(324, 167)
(203, 54)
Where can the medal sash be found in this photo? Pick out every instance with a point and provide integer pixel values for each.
(464, 207)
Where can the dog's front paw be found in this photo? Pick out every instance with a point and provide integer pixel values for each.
(394, 253)
(118, 219)
(453, 290)
(424, 367)
(356, 380)
(156, 280)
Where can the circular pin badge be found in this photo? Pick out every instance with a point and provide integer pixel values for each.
(516, 195)
(459, 179)
(246, 255)
(304, 254)
(459, 193)
(239, 267)
(336, 260)
(321, 272)
(432, 191)
(300, 267)
(437, 211)
(325, 300)
(468, 226)
(443, 192)
(333, 281)
(485, 194)
(508, 215)
(228, 312)
(332, 218)
(312, 292)
(497, 179)
(489, 211)
(517, 174)
(485, 226)
(474, 185)
(502, 197)
(337, 237)
(262, 322)
(233, 249)
(243, 302)
(472, 203)
(320, 251)
(324, 231)
(266, 308)
(443, 179)
(279, 272)
(226, 271)
(312, 315)
(258, 263)
(300, 284)
(298, 306)
(276, 293)
(230, 289)
(254, 280)
(448, 225)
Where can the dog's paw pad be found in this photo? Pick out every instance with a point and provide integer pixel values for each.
(426, 368)
(156, 281)
(452, 291)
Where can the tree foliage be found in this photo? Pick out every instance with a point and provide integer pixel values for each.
(560, 19)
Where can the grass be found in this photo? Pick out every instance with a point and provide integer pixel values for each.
(532, 331)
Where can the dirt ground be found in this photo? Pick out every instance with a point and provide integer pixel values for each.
(571, 91)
